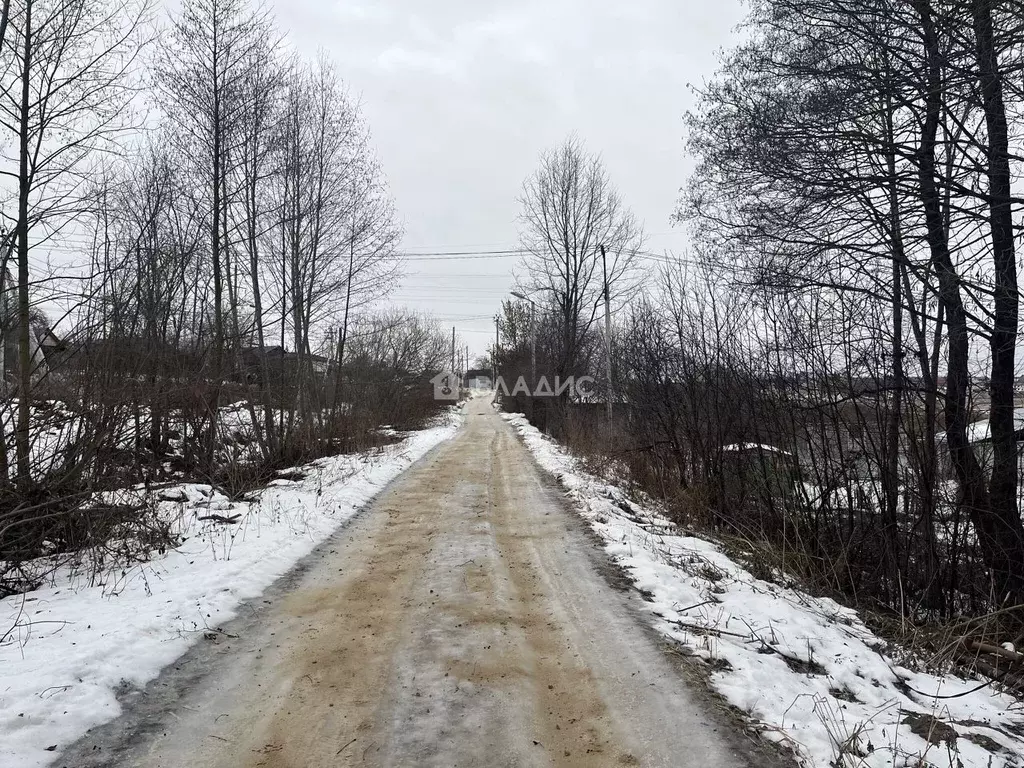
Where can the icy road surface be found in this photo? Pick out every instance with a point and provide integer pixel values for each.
(465, 619)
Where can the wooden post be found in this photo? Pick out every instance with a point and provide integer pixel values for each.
(607, 336)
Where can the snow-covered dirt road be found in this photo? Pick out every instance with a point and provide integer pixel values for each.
(465, 619)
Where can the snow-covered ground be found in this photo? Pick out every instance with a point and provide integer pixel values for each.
(69, 647)
(55, 428)
(806, 671)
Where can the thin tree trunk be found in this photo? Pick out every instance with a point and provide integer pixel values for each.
(970, 477)
(1002, 536)
(5, 329)
(217, 374)
(891, 473)
(257, 298)
(22, 438)
(343, 333)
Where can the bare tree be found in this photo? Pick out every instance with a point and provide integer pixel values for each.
(64, 94)
(336, 231)
(263, 95)
(570, 210)
(202, 74)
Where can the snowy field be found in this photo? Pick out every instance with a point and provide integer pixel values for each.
(69, 647)
(805, 671)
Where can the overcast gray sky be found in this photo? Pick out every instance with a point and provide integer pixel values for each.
(462, 96)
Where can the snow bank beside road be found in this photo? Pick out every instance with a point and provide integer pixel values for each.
(806, 671)
(72, 647)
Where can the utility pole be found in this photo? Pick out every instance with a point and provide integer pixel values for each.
(453, 349)
(607, 334)
(494, 357)
(533, 344)
(343, 331)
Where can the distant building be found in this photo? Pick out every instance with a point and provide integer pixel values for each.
(979, 435)
(478, 378)
(277, 361)
(757, 470)
(43, 342)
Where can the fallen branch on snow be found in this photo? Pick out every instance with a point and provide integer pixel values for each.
(220, 519)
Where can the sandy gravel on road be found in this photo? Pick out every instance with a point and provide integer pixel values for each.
(461, 621)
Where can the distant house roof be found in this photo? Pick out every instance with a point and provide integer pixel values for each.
(274, 350)
(279, 351)
(738, 447)
(51, 340)
(981, 432)
(593, 397)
